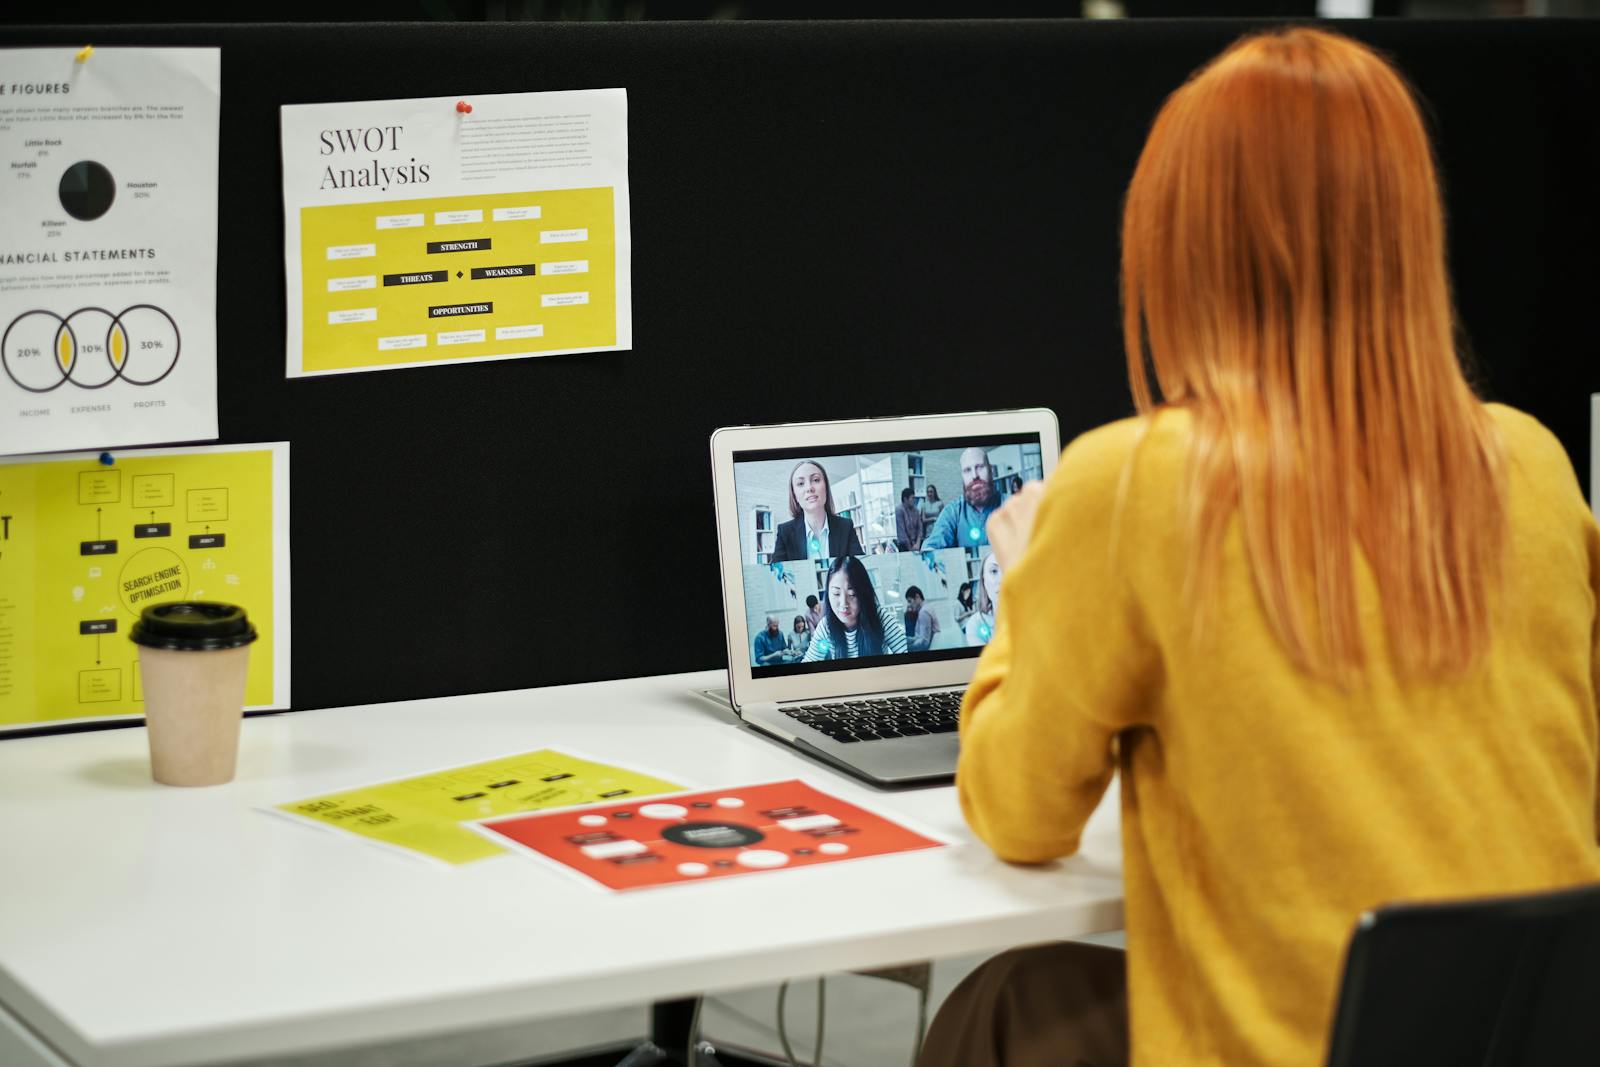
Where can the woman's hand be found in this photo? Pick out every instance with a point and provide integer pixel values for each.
(1011, 527)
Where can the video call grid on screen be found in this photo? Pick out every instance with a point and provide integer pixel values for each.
(784, 563)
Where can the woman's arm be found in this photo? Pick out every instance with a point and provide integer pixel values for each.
(817, 650)
(853, 543)
(943, 534)
(1594, 660)
(1071, 664)
(783, 549)
(894, 631)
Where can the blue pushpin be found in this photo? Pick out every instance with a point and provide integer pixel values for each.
(984, 631)
(974, 533)
(106, 459)
(815, 548)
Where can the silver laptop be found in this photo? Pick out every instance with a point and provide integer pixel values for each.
(858, 587)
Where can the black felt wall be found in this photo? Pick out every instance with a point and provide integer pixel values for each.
(829, 220)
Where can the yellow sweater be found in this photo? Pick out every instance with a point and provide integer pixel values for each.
(1262, 811)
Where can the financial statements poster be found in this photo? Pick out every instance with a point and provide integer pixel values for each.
(108, 247)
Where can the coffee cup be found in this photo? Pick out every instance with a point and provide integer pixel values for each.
(193, 658)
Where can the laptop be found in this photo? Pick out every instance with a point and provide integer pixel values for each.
(858, 586)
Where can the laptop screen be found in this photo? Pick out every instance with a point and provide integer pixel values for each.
(858, 558)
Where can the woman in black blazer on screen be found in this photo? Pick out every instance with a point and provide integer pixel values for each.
(812, 520)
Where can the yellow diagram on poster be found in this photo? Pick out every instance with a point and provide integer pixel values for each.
(423, 814)
(457, 278)
(85, 546)
(432, 230)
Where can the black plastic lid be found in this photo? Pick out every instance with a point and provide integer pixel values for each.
(193, 626)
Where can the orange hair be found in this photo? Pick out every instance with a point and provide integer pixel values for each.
(1283, 275)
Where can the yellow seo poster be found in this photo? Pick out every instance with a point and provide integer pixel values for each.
(86, 545)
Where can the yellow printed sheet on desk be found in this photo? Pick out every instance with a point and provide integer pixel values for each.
(422, 814)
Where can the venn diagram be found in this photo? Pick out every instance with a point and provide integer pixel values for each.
(91, 348)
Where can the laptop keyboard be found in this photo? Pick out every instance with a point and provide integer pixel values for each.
(911, 715)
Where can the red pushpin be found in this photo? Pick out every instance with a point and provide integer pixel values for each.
(463, 108)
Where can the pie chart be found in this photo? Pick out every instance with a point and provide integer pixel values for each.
(87, 190)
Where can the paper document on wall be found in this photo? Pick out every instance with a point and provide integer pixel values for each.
(437, 230)
(108, 247)
(422, 815)
(85, 547)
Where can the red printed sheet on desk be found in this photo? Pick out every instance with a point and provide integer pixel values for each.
(717, 833)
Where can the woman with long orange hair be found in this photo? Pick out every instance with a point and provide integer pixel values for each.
(1330, 616)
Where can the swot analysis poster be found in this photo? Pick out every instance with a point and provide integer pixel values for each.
(443, 230)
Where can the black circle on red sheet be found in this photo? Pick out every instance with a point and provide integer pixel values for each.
(804, 852)
(622, 815)
(712, 834)
(701, 804)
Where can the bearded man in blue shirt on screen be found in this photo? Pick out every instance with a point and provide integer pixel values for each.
(769, 647)
(965, 522)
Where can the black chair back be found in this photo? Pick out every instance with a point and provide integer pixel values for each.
(1476, 983)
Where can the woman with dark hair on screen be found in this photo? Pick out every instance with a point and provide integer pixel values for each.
(931, 506)
(854, 623)
(1329, 616)
(814, 530)
(966, 605)
(799, 638)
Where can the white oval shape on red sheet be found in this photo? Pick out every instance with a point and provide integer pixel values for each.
(761, 859)
(663, 811)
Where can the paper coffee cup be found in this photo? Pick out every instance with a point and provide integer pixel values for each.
(193, 658)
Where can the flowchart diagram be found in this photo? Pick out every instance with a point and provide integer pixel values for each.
(85, 547)
(453, 278)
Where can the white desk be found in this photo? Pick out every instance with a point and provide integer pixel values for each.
(146, 925)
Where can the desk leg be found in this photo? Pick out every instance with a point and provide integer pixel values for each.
(672, 1022)
(672, 1025)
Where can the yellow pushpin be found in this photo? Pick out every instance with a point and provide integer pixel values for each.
(85, 52)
